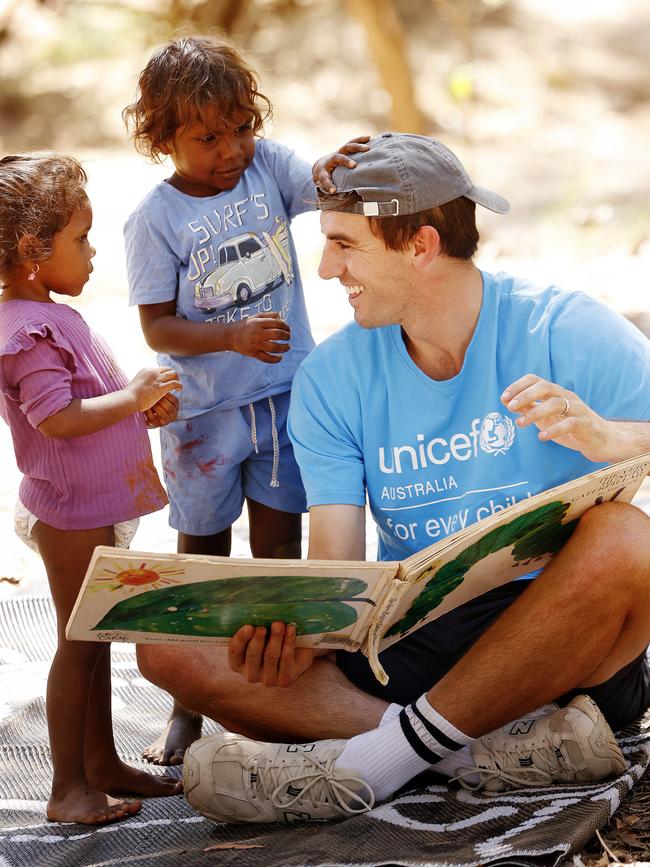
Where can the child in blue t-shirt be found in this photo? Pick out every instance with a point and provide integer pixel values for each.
(213, 270)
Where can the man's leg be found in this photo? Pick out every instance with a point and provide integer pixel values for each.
(582, 620)
(321, 704)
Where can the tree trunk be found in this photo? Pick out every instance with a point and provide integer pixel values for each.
(387, 46)
(227, 15)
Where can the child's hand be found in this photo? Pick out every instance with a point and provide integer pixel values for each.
(162, 412)
(150, 384)
(322, 168)
(264, 337)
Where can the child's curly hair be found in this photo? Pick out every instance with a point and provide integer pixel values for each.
(181, 79)
(39, 193)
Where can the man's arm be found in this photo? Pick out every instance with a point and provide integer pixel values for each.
(562, 417)
(336, 532)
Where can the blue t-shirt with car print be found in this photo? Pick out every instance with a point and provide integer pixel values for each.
(224, 258)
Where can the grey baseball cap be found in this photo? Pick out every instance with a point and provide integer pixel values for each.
(404, 174)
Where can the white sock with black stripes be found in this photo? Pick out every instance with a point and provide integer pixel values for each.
(391, 755)
(392, 711)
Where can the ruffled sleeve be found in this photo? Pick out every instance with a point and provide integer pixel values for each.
(36, 367)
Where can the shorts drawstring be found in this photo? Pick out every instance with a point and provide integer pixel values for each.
(251, 409)
(274, 483)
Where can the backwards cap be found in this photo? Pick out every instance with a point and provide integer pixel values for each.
(404, 174)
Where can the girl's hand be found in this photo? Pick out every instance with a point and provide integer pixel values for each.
(162, 412)
(150, 384)
(322, 168)
(264, 337)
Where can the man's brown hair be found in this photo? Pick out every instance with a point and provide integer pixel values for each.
(181, 79)
(455, 223)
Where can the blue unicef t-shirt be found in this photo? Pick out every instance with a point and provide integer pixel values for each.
(434, 457)
(224, 258)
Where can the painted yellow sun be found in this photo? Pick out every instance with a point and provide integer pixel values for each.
(150, 575)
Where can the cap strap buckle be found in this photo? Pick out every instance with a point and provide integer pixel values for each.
(381, 209)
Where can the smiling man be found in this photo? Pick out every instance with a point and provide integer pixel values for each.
(453, 394)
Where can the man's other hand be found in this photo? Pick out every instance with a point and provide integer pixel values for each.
(563, 418)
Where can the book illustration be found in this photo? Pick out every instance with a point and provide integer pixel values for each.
(154, 575)
(350, 605)
(220, 607)
(536, 534)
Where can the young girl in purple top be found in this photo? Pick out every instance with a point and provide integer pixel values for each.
(79, 434)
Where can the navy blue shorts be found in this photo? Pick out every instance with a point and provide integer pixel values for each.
(421, 659)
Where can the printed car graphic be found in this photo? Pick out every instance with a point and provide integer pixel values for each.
(248, 266)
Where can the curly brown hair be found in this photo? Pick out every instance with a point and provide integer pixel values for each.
(39, 193)
(181, 79)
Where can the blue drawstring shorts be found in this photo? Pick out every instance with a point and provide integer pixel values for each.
(216, 460)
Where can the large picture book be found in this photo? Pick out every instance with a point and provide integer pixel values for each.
(147, 597)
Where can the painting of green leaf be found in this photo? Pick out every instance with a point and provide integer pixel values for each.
(220, 608)
(536, 534)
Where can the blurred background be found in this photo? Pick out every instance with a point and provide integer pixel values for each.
(546, 102)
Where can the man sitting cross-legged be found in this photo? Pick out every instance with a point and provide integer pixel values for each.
(454, 393)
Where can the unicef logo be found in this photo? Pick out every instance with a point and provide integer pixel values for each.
(497, 433)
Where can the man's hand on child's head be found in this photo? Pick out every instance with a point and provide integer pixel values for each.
(264, 337)
(323, 168)
(162, 412)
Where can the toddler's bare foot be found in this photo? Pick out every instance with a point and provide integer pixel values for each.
(183, 728)
(122, 779)
(78, 801)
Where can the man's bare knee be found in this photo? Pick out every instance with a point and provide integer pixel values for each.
(615, 538)
(613, 517)
(149, 661)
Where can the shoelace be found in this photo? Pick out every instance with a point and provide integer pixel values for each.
(319, 786)
(515, 776)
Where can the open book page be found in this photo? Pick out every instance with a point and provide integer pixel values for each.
(143, 597)
(519, 540)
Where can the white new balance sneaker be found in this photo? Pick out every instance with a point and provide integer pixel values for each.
(572, 745)
(229, 778)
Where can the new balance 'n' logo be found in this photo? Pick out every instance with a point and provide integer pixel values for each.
(521, 726)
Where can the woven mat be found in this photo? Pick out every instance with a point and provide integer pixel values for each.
(428, 824)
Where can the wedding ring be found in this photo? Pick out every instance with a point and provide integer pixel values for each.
(566, 407)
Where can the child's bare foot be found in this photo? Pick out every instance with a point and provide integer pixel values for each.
(183, 728)
(78, 801)
(121, 779)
